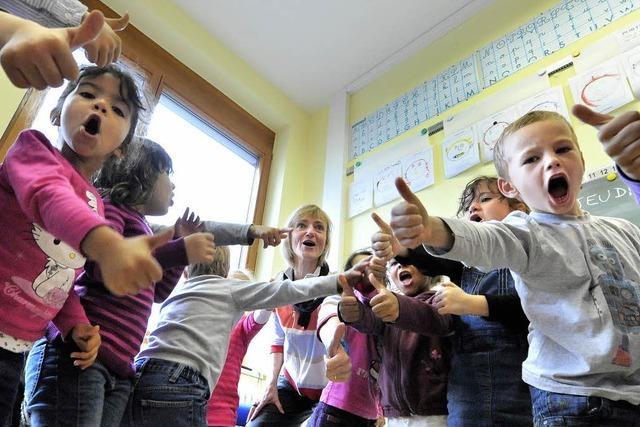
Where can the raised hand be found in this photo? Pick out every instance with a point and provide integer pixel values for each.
(384, 244)
(34, 56)
(187, 224)
(451, 299)
(356, 274)
(200, 248)
(127, 265)
(349, 307)
(378, 267)
(87, 338)
(409, 218)
(620, 137)
(384, 305)
(106, 48)
(271, 236)
(338, 363)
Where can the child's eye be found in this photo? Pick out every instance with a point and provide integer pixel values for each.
(531, 159)
(563, 150)
(485, 199)
(87, 95)
(118, 111)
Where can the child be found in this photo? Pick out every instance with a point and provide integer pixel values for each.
(223, 404)
(32, 55)
(132, 188)
(577, 275)
(621, 140)
(352, 399)
(490, 341)
(415, 357)
(186, 351)
(51, 216)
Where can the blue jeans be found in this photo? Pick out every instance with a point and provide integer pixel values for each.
(167, 394)
(58, 393)
(10, 368)
(297, 408)
(556, 409)
(485, 386)
(329, 416)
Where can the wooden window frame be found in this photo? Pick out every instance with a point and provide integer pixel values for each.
(167, 74)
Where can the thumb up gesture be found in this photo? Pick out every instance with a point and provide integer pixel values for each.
(349, 306)
(384, 305)
(337, 361)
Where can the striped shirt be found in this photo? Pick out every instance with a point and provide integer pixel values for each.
(48, 13)
(123, 320)
(223, 404)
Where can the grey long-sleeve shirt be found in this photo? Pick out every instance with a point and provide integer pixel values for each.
(197, 318)
(578, 280)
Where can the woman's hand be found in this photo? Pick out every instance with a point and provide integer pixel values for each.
(270, 396)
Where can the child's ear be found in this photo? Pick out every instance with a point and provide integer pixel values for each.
(507, 189)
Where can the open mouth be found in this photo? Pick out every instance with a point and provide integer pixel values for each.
(475, 218)
(558, 187)
(405, 278)
(309, 243)
(92, 125)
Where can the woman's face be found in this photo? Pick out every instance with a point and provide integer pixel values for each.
(308, 238)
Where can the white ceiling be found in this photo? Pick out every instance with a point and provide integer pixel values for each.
(312, 50)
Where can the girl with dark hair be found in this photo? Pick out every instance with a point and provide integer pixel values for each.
(52, 217)
(57, 392)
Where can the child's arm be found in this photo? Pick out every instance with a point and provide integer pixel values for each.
(34, 56)
(244, 234)
(620, 137)
(353, 313)
(337, 361)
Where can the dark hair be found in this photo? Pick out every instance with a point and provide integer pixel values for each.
(471, 191)
(130, 180)
(128, 92)
(358, 252)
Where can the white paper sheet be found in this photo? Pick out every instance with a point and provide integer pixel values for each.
(384, 188)
(360, 196)
(602, 88)
(417, 169)
(489, 130)
(460, 152)
(551, 99)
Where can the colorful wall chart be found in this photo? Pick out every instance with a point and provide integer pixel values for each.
(460, 152)
(549, 32)
(603, 88)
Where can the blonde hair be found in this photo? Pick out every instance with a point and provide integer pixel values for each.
(311, 211)
(531, 117)
(218, 267)
(241, 274)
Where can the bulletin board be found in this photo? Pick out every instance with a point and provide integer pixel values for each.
(549, 32)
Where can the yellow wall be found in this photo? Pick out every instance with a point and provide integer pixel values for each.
(492, 23)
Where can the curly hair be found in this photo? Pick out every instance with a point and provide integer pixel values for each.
(470, 192)
(129, 181)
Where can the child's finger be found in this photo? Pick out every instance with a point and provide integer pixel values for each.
(118, 24)
(590, 117)
(347, 290)
(337, 338)
(377, 283)
(87, 31)
(384, 227)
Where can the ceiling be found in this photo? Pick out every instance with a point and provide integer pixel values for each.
(312, 50)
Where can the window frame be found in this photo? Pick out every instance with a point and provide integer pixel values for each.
(166, 74)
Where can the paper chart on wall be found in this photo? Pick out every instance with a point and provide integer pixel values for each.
(460, 152)
(417, 169)
(551, 99)
(489, 130)
(631, 64)
(603, 88)
(384, 188)
(360, 196)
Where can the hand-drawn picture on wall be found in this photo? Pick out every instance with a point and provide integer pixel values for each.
(603, 88)
(384, 189)
(631, 64)
(490, 129)
(551, 99)
(460, 152)
(417, 169)
(360, 196)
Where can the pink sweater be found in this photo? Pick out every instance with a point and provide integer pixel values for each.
(222, 407)
(47, 209)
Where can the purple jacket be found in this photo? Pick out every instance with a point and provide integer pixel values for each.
(415, 356)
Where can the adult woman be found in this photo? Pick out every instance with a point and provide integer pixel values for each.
(298, 356)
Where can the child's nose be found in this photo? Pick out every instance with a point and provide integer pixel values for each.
(98, 106)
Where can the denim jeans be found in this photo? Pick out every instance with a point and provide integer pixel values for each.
(297, 408)
(58, 393)
(167, 394)
(556, 409)
(329, 416)
(10, 368)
